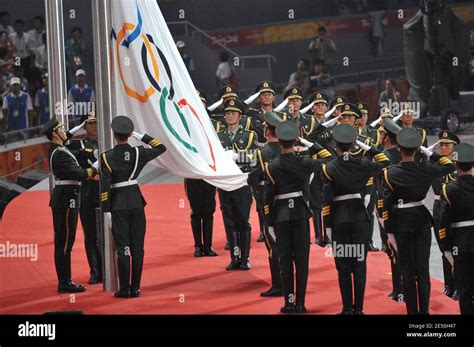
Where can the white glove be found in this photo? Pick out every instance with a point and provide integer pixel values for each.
(306, 142)
(331, 122)
(363, 145)
(426, 151)
(449, 255)
(393, 242)
(138, 136)
(96, 165)
(329, 233)
(77, 128)
(96, 153)
(433, 146)
(375, 122)
(366, 200)
(107, 220)
(232, 155)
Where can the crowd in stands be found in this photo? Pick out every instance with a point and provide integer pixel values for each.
(24, 94)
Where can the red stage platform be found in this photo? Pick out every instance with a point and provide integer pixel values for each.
(174, 282)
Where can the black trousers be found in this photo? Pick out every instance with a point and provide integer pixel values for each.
(235, 207)
(349, 242)
(258, 195)
(414, 254)
(88, 221)
(128, 229)
(65, 225)
(319, 230)
(202, 199)
(447, 268)
(293, 243)
(464, 277)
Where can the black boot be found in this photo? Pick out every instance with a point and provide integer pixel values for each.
(197, 236)
(449, 287)
(275, 289)
(396, 280)
(123, 265)
(234, 252)
(371, 247)
(95, 264)
(70, 287)
(288, 289)
(137, 268)
(424, 298)
(261, 237)
(345, 286)
(359, 292)
(245, 250)
(207, 225)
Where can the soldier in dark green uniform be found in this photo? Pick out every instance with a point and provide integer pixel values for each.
(202, 200)
(345, 215)
(407, 122)
(389, 142)
(89, 198)
(227, 93)
(409, 221)
(267, 102)
(370, 190)
(447, 141)
(319, 109)
(123, 203)
(456, 231)
(65, 200)
(289, 212)
(236, 204)
(257, 178)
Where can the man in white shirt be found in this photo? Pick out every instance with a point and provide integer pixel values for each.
(41, 56)
(224, 70)
(21, 41)
(36, 33)
(4, 22)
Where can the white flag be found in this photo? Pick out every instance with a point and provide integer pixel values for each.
(154, 89)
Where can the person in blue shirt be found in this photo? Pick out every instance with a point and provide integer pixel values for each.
(81, 96)
(42, 102)
(17, 108)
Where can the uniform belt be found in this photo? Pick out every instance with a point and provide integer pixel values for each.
(261, 183)
(124, 184)
(437, 197)
(67, 183)
(288, 195)
(410, 204)
(347, 197)
(466, 223)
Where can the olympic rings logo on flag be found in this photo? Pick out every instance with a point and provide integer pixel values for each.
(153, 75)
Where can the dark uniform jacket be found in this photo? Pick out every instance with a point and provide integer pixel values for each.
(349, 175)
(244, 143)
(459, 197)
(116, 169)
(409, 182)
(89, 188)
(289, 173)
(258, 120)
(65, 167)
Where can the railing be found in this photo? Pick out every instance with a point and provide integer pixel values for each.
(268, 59)
(22, 135)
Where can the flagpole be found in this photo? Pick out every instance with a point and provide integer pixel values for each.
(57, 89)
(105, 109)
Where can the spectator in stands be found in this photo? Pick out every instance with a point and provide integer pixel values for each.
(42, 102)
(321, 80)
(75, 54)
(377, 20)
(41, 56)
(5, 22)
(6, 64)
(188, 60)
(81, 95)
(21, 42)
(5, 42)
(300, 78)
(389, 95)
(225, 73)
(17, 109)
(37, 33)
(322, 48)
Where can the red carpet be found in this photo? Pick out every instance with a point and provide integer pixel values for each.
(174, 282)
